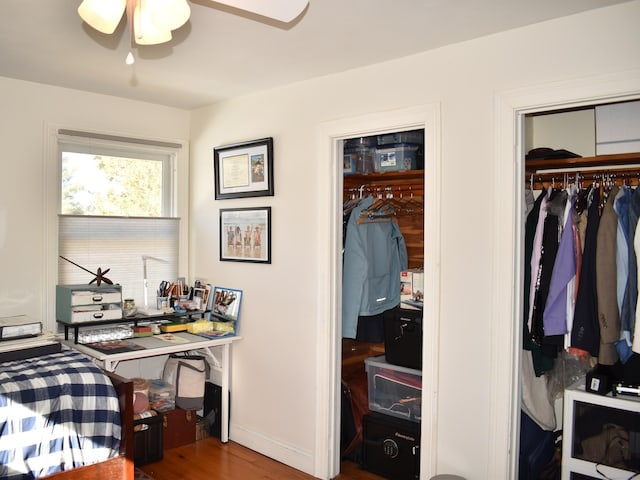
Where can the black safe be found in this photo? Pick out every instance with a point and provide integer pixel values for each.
(403, 337)
(391, 446)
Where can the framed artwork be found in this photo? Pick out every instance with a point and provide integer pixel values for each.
(244, 169)
(245, 234)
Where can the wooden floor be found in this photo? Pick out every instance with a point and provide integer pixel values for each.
(211, 459)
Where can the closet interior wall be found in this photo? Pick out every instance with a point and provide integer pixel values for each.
(404, 188)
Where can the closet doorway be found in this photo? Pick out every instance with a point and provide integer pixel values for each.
(575, 158)
(332, 136)
(512, 109)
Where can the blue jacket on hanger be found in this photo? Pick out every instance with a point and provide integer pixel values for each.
(374, 255)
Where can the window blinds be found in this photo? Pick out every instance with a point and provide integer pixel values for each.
(119, 244)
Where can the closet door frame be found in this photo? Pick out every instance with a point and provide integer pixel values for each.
(511, 108)
(330, 137)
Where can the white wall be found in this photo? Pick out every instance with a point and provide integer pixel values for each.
(272, 385)
(28, 109)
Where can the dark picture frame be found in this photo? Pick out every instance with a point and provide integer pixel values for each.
(245, 234)
(244, 169)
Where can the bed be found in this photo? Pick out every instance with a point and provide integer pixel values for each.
(62, 417)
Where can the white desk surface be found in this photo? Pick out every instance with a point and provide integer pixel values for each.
(153, 347)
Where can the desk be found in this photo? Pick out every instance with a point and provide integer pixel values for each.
(155, 347)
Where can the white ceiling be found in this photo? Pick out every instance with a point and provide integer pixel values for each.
(221, 53)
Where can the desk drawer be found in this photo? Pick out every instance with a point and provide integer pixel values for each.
(94, 297)
(95, 315)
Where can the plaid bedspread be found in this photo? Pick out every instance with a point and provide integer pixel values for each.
(57, 412)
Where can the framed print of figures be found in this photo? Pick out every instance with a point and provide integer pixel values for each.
(244, 169)
(245, 234)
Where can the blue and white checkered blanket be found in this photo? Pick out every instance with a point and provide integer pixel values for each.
(57, 412)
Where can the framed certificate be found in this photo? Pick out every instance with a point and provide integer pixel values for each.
(244, 169)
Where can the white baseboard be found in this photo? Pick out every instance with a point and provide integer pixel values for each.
(289, 455)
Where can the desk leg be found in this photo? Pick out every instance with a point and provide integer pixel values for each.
(224, 410)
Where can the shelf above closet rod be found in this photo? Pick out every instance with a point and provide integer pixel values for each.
(624, 167)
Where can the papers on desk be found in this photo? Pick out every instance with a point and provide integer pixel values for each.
(115, 346)
(215, 334)
(150, 312)
(171, 338)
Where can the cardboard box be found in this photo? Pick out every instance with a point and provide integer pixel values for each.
(412, 285)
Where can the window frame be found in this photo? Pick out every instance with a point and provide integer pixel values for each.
(176, 202)
(123, 149)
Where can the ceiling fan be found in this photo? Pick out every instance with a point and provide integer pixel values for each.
(151, 21)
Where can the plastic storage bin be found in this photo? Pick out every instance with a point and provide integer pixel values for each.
(162, 396)
(394, 390)
(360, 155)
(411, 136)
(396, 158)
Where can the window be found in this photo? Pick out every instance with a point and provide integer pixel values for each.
(117, 212)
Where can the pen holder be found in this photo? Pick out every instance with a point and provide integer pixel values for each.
(162, 302)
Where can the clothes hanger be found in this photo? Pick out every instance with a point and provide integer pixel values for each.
(381, 210)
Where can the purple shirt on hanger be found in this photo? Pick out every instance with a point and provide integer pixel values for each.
(564, 269)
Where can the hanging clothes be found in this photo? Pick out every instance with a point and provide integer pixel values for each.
(541, 362)
(606, 281)
(628, 313)
(586, 330)
(374, 255)
(559, 308)
(550, 242)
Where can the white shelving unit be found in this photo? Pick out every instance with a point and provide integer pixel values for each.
(585, 413)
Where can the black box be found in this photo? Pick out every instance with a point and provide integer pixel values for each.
(403, 337)
(391, 447)
(599, 380)
(213, 407)
(147, 438)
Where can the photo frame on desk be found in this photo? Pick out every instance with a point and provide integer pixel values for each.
(244, 169)
(203, 293)
(245, 234)
(225, 310)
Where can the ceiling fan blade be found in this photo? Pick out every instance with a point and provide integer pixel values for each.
(282, 10)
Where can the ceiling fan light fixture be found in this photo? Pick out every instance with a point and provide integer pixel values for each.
(102, 15)
(146, 32)
(168, 14)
